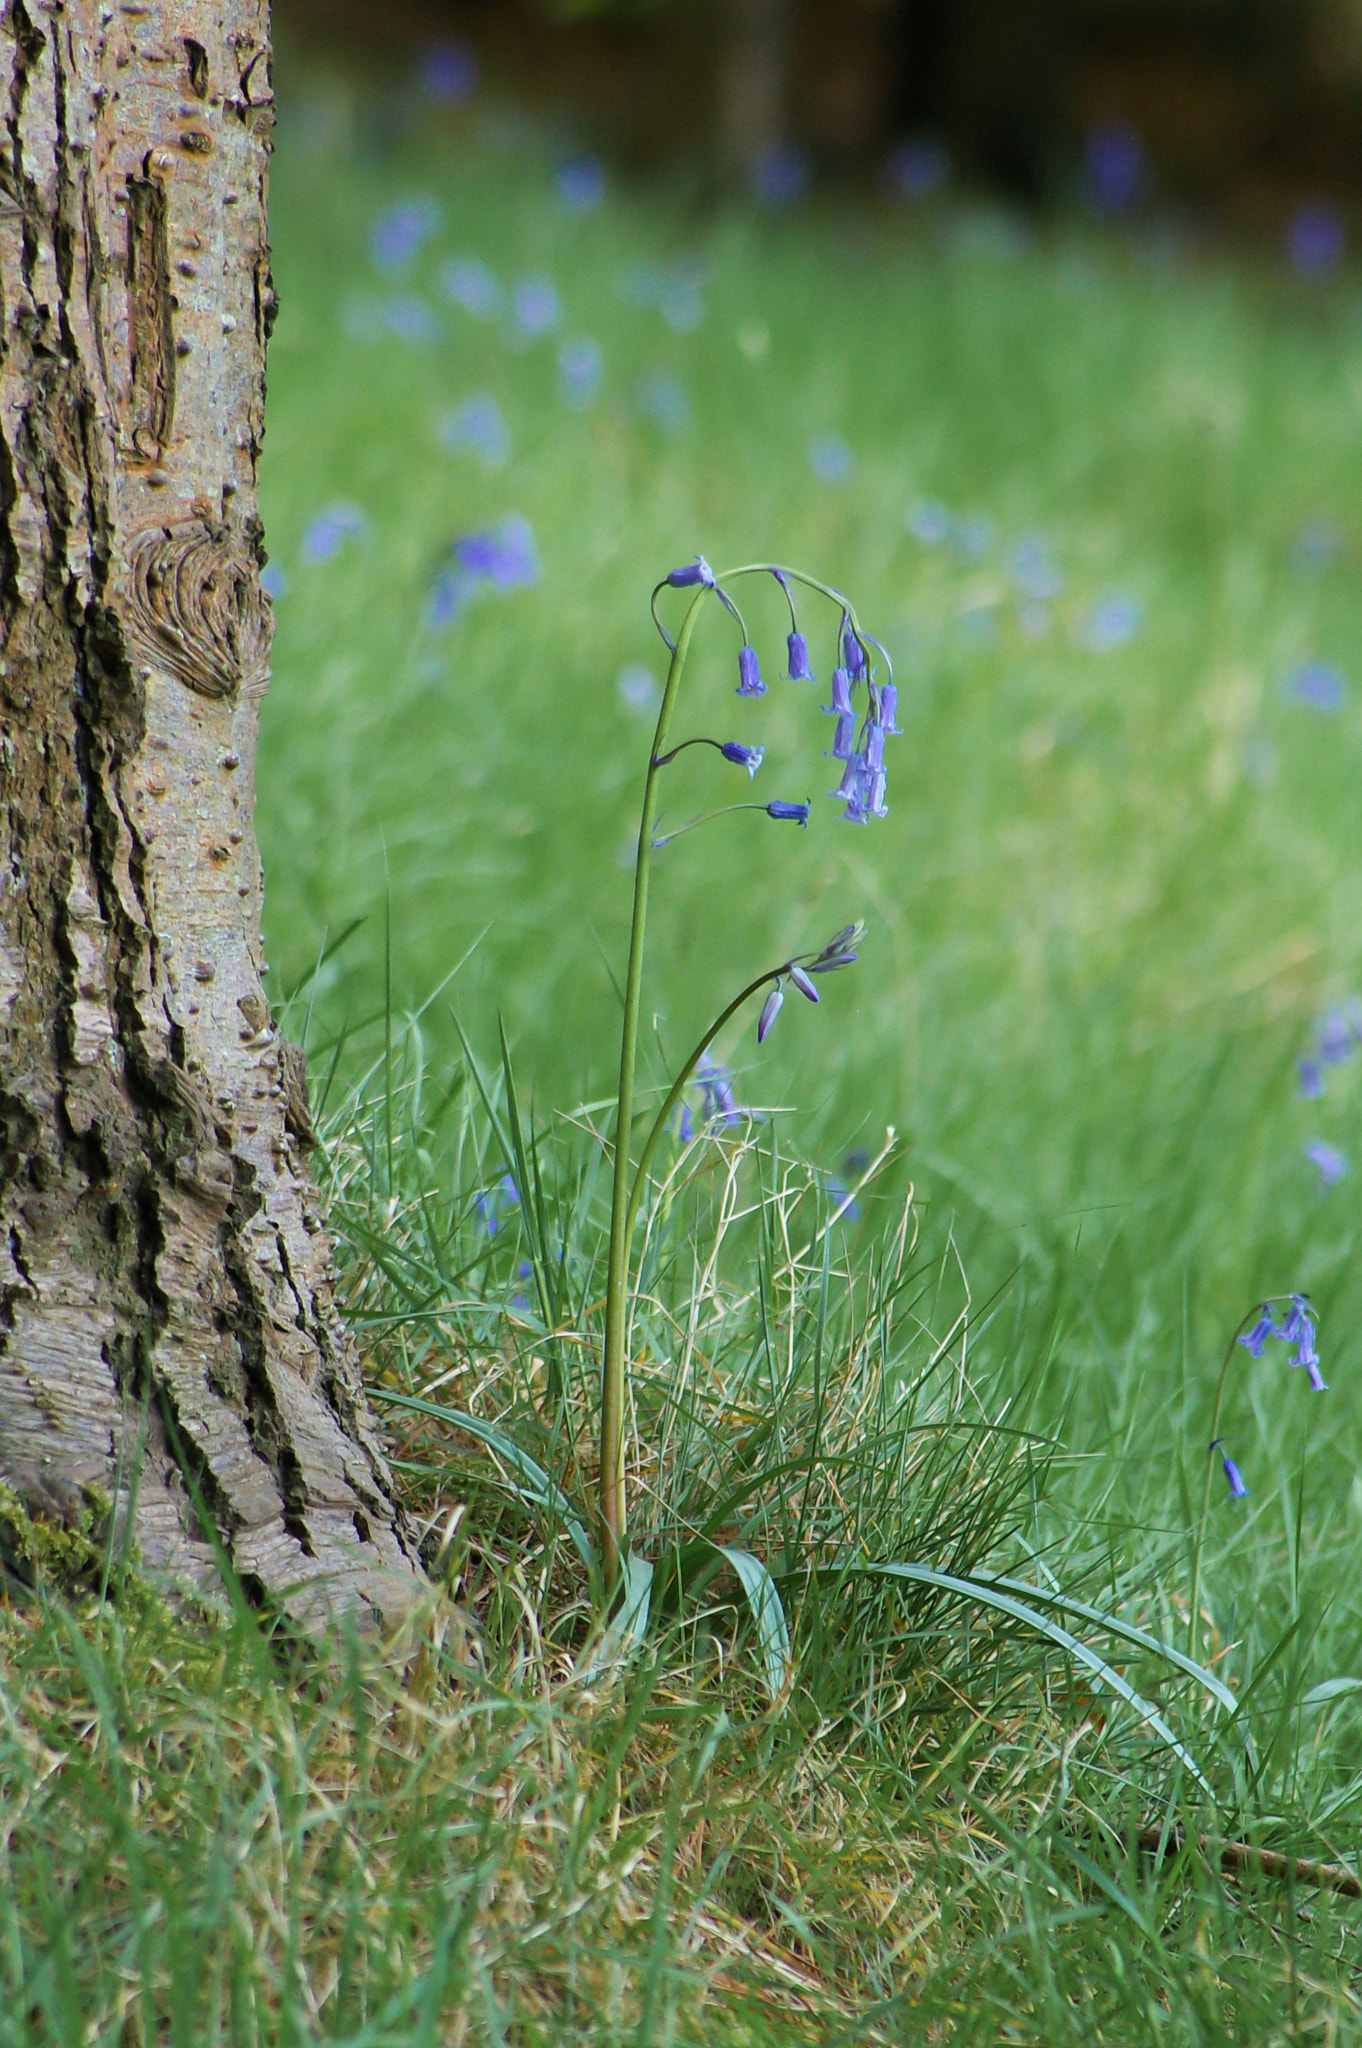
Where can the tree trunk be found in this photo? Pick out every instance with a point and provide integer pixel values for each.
(173, 1372)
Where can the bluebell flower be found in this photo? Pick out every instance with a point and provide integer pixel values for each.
(581, 183)
(853, 654)
(327, 534)
(476, 427)
(750, 683)
(916, 168)
(273, 581)
(889, 708)
(844, 740)
(509, 1191)
(830, 458)
(796, 814)
(874, 747)
(1338, 1036)
(536, 306)
(503, 555)
(716, 1085)
(749, 758)
(840, 949)
(448, 73)
(663, 398)
(686, 1124)
(398, 234)
(523, 1272)
(1315, 239)
(781, 173)
(802, 982)
(770, 1010)
(697, 571)
(1311, 1079)
(1238, 1487)
(1116, 170)
(1319, 684)
(1297, 1320)
(929, 522)
(1306, 1353)
(1329, 1162)
(1316, 1377)
(470, 284)
(487, 1209)
(1266, 1326)
(800, 672)
(841, 705)
(579, 371)
(1111, 623)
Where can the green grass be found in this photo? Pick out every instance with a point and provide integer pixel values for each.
(1115, 892)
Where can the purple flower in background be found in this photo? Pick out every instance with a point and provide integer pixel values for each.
(1318, 684)
(749, 758)
(1331, 1164)
(1311, 1079)
(796, 814)
(974, 535)
(523, 1272)
(1315, 239)
(1111, 624)
(1266, 1326)
(500, 557)
(410, 318)
(273, 581)
(917, 168)
(685, 1128)
(581, 183)
(487, 1209)
(579, 372)
(477, 428)
(750, 683)
(830, 458)
(662, 397)
(448, 73)
(470, 284)
(716, 1085)
(535, 307)
(1338, 1035)
(800, 672)
(638, 686)
(1317, 544)
(781, 174)
(929, 522)
(1238, 1489)
(1115, 166)
(1030, 566)
(326, 534)
(770, 1010)
(397, 234)
(509, 1191)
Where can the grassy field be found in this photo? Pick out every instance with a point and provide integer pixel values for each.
(1098, 499)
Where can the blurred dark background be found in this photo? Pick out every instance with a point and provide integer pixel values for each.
(1241, 115)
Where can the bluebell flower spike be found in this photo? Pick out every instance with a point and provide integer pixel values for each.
(750, 683)
(1266, 1326)
(770, 1010)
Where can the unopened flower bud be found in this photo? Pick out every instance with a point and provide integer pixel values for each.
(770, 1010)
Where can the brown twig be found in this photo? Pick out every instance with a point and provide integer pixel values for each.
(1328, 1877)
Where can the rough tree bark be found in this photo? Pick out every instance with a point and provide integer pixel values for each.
(168, 1338)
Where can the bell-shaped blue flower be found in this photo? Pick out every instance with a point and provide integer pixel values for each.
(1317, 1379)
(844, 739)
(1297, 1319)
(889, 708)
(749, 758)
(1266, 1326)
(841, 705)
(694, 572)
(795, 814)
(800, 672)
(770, 1010)
(1238, 1487)
(750, 683)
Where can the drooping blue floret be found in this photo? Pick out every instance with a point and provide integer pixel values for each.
(841, 705)
(1238, 1487)
(801, 981)
(749, 758)
(853, 654)
(697, 571)
(1311, 1079)
(1317, 1379)
(795, 814)
(770, 1010)
(750, 683)
(1297, 1319)
(800, 672)
(844, 740)
(1266, 1326)
(889, 708)
(716, 1085)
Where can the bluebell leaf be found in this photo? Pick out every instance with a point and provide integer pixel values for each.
(795, 814)
(800, 672)
(770, 1010)
(697, 571)
(841, 705)
(750, 683)
(749, 758)
(1266, 1326)
(802, 982)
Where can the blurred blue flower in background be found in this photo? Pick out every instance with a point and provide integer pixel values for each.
(1033, 569)
(407, 316)
(397, 234)
(581, 183)
(579, 371)
(477, 428)
(638, 686)
(929, 522)
(830, 458)
(470, 284)
(1115, 165)
(662, 397)
(535, 307)
(448, 73)
(326, 534)
(1315, 239)
(1318, 543)
(781, 174)
(274, 581)
(916, 168)
(1311, 1079)
(1111, 623)
(974, 535)
(1318, 684)
(498, 558)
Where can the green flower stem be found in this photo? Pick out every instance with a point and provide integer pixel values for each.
(1193, 1618)
(611, 1496)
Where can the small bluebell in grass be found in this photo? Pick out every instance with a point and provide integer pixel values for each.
(487, 1210)
(1318, 684)
(523, 1272)
(685, 1127)
(770, 1010)
(1266, 1326)
(716, 1086)
(795, 814)
(1330, 1164)
(468, 281)
(1311, 1079)
(1238, 1486)
(749, 758)
(750, 683)
(509, 1191)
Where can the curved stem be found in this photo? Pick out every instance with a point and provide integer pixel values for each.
(1206, 1482)
(611, 1494)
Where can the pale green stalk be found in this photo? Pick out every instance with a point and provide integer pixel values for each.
(1206, 1482)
